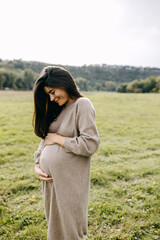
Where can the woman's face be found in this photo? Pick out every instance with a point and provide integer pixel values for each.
(58, 95)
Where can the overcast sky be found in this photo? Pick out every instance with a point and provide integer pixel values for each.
(78, 32)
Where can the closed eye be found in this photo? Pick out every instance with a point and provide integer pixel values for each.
(51, 92)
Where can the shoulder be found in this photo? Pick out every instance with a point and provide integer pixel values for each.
(83, 103)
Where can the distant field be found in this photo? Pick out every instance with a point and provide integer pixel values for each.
(125, 175)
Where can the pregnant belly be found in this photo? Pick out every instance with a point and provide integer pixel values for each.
(53, 158)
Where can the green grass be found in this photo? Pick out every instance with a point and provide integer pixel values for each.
(125, 174)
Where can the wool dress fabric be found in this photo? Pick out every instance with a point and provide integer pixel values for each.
(66, 198)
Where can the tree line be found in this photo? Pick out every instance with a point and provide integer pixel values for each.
(148, 85)
(11, 80)
(20, 75)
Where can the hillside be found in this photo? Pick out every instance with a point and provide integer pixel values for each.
(96, 77)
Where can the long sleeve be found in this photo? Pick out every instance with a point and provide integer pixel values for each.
(88, 140)
(37, 153)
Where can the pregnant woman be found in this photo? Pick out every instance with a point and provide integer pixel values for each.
(65, 121)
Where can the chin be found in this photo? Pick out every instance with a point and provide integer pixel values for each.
(60, 104)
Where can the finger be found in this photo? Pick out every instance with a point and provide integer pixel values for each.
(42, 174)
(39, 172)
(46, 179)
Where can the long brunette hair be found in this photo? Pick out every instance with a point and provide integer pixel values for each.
(46, 111)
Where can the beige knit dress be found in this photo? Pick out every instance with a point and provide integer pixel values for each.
(66, 198)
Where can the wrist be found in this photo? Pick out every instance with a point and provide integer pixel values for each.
(61, 140)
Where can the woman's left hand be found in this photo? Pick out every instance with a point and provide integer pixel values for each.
(54, 138)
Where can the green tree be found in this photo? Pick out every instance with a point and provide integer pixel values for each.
(10, 80)
(20, 84)
(122, 88)
(110, 86)
(157, 87)
(28, 79)
(98, 86)
(131, 86)
(2, 78)
(149, 84)
(81, 83)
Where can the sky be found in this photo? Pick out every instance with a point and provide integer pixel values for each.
(78, 32)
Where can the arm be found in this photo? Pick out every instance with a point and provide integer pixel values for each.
(88, 140)
(37, 153)
(42, 176)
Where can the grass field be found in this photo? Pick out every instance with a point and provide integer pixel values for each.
(125, 174)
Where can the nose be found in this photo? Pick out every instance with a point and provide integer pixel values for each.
(52, 98)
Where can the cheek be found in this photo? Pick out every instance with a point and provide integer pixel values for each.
(64, 96)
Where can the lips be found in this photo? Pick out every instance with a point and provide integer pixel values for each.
(57, 100)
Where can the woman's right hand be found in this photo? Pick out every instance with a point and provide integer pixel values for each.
(42, 176)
